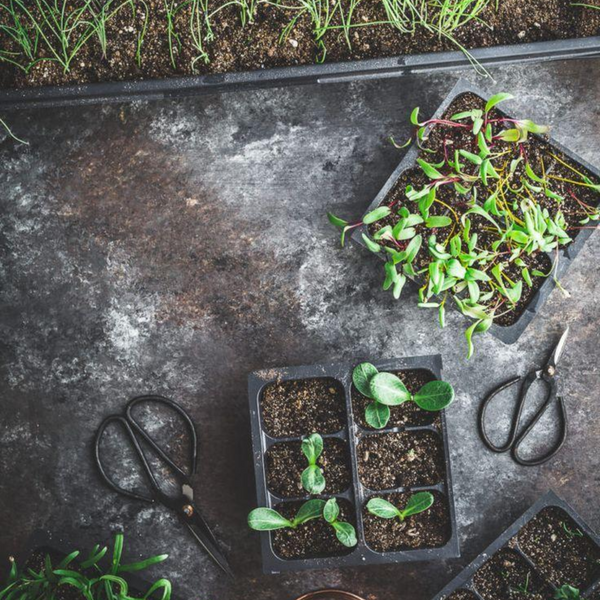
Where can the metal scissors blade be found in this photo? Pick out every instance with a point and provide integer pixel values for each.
(553, 362)
(206, 539)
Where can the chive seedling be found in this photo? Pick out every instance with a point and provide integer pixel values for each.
(417, 503)
(386, 390)
(345, 532)
(267, 519)
(567, 592)
(312, 477)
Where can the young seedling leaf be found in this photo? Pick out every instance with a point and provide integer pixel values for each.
(312, 447)
(496, 99)
(331, 511)
(361, 377)
(414, 116)
(388, 389)
(345, 533)
(567, 592)
(313, 480)
(429, 170)
(442, 221)
(370, 244)
(417, 503)
(336, 221)
(267, 519)
(312, 509)
(434, 396)
(382, 508)
(376, 215)
(377, 415)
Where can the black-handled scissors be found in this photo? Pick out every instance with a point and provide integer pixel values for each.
(549, 375)
(183, 504)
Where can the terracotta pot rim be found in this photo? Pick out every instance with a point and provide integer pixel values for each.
(340, 593)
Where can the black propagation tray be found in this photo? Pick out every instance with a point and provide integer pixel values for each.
(464, 580)
(357, 495)
(511, 333)
(159, 89)
(56, 544)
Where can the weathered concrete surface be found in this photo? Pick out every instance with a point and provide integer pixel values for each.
(173, 247)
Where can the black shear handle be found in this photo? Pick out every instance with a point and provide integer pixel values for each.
(140, 454)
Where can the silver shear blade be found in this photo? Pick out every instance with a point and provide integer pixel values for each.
(559, 348)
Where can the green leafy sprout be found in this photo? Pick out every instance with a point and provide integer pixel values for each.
(313, 480)
(567, 592)
(517, 202)
(417, 503)
(268, 519)
(91, 578)
(387, 390)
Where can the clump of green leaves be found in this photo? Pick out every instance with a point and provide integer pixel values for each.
(345, 532)
(387, 390)
(93, 580)
(267, 519)
(567, 592)
(417, 503)
(481, 248)
(313, 480)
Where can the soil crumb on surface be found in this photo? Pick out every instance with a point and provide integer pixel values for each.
(462, 595)
(302, 407)
(429, 529)
(285, 463)
(392, 460)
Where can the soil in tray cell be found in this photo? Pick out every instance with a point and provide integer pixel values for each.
(286, 462)
(404, 414)
(392, 460)
(559, 549)
(304, 406)
(313, 539)
(429, 529)
(508, 576)
(462, 595)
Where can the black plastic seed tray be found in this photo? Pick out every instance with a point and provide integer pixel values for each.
(47, 542)
(511, 333)
(357, 495)
(159, 89)
(464, 582)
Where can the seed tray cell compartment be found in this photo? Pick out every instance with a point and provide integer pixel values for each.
(470, 578)
(509, 333)
(357, 494)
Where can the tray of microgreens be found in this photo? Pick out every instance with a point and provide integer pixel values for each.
(352, 464)
(485, 212)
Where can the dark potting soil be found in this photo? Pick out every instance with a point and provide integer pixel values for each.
(462, 595)
(429, 529)
(258, 45)
(404, 414)
(542, 156)
(392, 460)
(507, 576)
(302, 407)
(561, 551)
(313, 539)
(285, 463)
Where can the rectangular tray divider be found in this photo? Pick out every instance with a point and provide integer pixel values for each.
(511, 333)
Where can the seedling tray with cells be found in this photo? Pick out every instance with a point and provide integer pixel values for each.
(549, 553)
(484, 212)
(404, 462)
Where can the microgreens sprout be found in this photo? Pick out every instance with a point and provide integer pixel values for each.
(345, 532)
(516, 202)
(524, 587)
(572, 533)
(267, 519)
(312, 477)
(567, 592)
(417, 503)
(386, 389)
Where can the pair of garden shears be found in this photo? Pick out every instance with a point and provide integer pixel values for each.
(183, 503)
(549, 375)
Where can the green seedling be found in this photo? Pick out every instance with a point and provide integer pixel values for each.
(267, 519)
(567, 592)
(417, 503)
(345, 532)
(312, 477)
(387, 390)
(87, 576)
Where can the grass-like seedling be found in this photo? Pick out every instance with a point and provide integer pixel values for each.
(4, 125)
(313, 480)
(417, 503)
(519, 201)
(567, 592)
(268, 519)
(91, 579)
(345, 532)
(386, 390)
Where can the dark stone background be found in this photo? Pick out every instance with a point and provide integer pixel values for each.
(173, 247)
